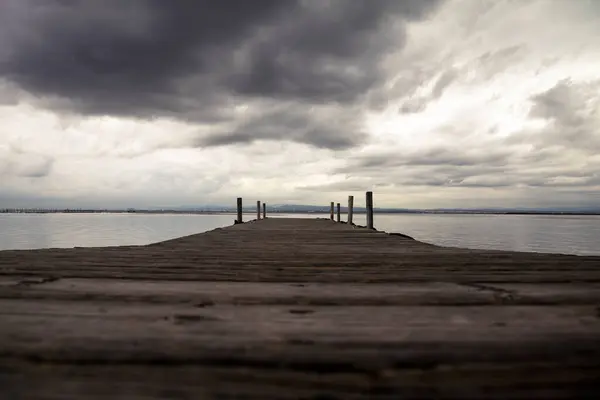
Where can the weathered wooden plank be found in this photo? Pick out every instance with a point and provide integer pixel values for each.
(449, 351)
(249, 380)
(128, 331)
(271, 293)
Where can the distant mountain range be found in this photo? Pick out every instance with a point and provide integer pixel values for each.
(303, 208)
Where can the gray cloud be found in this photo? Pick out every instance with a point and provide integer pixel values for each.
(573, 114)
(514, 175)
(347, 185)
(195, 59)
(414, 81)
(446, 156)
(330, 128)
(491, 63)
(15, 163)
(418, 103)
(472, 167)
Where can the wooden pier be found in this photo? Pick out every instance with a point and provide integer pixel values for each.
(297, 309)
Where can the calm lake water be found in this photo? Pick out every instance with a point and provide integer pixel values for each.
(540, 233)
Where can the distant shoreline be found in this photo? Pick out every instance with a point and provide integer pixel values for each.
(251, 211)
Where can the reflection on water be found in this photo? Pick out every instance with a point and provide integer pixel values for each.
(541, 233)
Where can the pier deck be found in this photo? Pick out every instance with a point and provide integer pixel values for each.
(297, 308)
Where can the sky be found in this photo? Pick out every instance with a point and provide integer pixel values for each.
(428, 103)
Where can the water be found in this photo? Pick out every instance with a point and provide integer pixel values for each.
(30, 231)
(540, 233)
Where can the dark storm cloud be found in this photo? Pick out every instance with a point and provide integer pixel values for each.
(189, 58)
(333, 129)
(109, 58)
(327, 51)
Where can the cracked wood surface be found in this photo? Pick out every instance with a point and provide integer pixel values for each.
(297, 308)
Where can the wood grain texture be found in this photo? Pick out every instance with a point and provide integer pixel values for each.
(350, 209)
(369, 209)
(297, 308)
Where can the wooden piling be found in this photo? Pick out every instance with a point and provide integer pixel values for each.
(350, 209)
(258, 209)
(339, 215)
(331, 211)
(264, 210)
(369, 210)
(239, 211)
